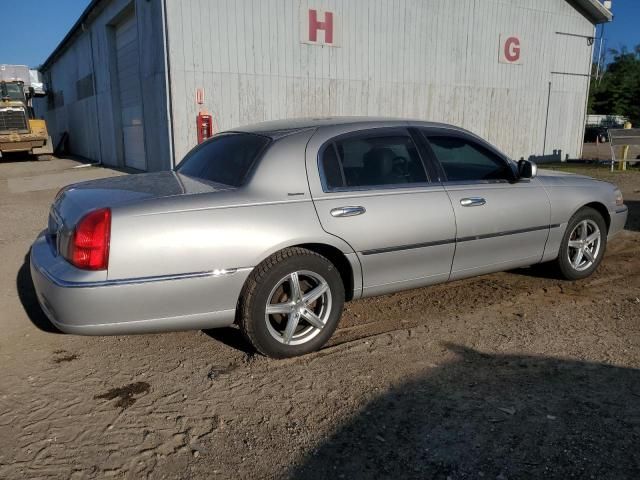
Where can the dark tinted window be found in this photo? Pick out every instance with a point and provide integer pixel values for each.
(465, 160)
(372, 161)
(224, 159)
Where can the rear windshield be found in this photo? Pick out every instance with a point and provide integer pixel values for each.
(225, 159)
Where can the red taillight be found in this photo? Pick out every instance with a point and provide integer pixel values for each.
(89, 248)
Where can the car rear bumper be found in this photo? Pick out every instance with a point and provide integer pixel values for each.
(618, 220)
(141, 305)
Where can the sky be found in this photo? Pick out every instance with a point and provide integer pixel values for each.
(624, 30)
(50, 20)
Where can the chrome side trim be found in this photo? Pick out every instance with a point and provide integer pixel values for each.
(135, 281)
(509, 232)
(407, 247)
(623, 209)
(457, 240)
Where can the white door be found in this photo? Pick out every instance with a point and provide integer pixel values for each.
(568, 95)
(566, 110)
(130, 93)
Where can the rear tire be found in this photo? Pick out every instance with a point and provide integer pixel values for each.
(583, 245)
(304, 294)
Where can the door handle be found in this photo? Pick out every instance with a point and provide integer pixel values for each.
(472, 202)
(347, 211)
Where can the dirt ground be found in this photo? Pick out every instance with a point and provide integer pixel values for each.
(511, 375)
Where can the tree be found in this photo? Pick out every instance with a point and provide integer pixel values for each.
(617, 92)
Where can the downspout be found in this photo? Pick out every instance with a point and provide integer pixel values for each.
(167, 76)
(546, 123)
(586, 102)
(95, 93)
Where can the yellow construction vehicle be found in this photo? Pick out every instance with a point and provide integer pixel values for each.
(20, 131)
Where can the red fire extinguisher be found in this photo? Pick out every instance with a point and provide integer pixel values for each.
(204, 124)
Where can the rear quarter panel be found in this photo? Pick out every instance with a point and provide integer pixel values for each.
(222, 230)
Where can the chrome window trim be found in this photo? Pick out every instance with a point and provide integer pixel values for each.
(462, 183)
(420, 188)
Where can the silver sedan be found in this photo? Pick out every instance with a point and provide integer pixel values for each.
(274, 226)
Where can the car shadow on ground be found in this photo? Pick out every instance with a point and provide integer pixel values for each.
(29, 300)
(231, 337)
(491, 416)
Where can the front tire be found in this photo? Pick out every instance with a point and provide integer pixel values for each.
(583, 245)
(291, 303)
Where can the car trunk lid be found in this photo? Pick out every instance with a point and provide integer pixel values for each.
(75, 201)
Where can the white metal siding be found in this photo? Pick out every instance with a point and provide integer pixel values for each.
(130, 93)
(93, 123)
(427, 59)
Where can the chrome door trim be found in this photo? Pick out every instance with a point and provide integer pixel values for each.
(508, 232)
(408, 247)
(458, 240)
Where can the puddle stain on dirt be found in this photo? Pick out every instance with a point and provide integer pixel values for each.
(125, 395)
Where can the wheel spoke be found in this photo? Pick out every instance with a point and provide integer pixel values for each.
(312, 295)
(279, 308)
(593, 237)
(575, 243)
(588, 254)
(312, 318)
(584, 229)
(578, 258)
(292, 324)
(296, 292)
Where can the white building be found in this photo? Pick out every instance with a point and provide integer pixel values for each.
(127, 77)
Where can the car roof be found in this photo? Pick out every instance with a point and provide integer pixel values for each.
(281, 128)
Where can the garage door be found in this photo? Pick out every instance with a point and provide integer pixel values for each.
(130, 89)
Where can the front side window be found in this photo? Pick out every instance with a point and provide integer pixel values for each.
(368, 161)
(464, 160)
(225, 159)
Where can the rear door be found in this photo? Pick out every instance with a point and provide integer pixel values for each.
(371, 188)
(502, 222)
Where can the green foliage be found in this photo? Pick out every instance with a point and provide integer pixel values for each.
(617, 92)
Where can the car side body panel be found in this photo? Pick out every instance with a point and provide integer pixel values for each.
(179, 258)
(405, 237)
(509, 231)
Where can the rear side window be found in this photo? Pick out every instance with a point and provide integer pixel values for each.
(463, 160)
(225, 159)
(370, 161)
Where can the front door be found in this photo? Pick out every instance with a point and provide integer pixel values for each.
(502, 222)
(373, 192)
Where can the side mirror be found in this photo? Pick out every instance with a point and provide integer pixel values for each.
(527, 169)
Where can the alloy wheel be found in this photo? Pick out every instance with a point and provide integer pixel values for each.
(584, 245)
(298, 307)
